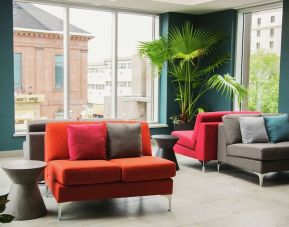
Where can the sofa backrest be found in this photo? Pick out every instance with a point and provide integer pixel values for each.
(232, 129)
(211, 117)
(56, 138)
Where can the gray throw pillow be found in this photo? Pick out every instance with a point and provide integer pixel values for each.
(253, 130)
(124, 140)
(232, 127)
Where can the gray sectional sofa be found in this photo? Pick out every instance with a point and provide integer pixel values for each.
(260, 158)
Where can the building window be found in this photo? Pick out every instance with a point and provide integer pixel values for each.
(257, 45)
(272, 31)
(18, 72)
(258, 33)
(271, 44)
(259, 21)
(272, 19)
(59, 72)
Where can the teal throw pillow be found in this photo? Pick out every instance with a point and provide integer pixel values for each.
(277, 128)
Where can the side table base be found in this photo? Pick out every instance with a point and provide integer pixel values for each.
(25, 202)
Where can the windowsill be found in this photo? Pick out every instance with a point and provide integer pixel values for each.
(19, 134)
(158, 125)
(153, 125)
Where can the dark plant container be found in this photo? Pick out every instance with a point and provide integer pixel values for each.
(185, 126)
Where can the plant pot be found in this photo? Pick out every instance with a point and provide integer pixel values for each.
(185, 126)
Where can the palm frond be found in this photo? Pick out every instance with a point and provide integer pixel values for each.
(227, 85)
(190, 43)
(156, 51)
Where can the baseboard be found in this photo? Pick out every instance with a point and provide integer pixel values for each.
(10, 154)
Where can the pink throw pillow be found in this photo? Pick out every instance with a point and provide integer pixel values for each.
(86, 142)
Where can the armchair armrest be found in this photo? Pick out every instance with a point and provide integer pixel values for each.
(206, 146)
(34, 146)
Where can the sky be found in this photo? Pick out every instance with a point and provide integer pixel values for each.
(131, 30)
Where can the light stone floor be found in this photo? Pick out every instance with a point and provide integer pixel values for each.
(232, 198)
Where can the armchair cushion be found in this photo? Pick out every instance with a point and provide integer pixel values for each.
(79, 172)
(145, 168)
(86, 142)
(277, 128)
(232, 127)
(253, 130)
(185, 138)
(124, 140)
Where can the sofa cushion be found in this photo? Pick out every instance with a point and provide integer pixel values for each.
(253, 130)
(232, 127)
(145, 168)
(79, 172)
(277, 128)
(260, 151)
(124, 140)
(87, 142)
(185, 138)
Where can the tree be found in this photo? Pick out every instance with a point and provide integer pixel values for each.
(264, 81)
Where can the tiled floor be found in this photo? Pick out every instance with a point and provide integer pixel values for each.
(232, 198)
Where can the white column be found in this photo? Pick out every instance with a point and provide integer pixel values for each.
(66, 63)
(114, 65)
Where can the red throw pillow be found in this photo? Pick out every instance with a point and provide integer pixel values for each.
(87, 141)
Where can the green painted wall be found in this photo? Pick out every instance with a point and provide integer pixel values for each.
(284, 63)
(7, 141)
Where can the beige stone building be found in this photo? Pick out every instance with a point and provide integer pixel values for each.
(38, 65)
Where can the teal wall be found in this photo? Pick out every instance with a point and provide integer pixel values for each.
(224, 22)
(284, 63)
(7, 141)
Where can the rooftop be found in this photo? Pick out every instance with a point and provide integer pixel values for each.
(27, 15)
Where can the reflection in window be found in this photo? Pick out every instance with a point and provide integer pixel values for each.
(17, 71)
(59, 72)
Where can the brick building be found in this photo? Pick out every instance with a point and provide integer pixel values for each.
(38, 65)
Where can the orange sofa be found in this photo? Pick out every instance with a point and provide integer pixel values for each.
(103, 179)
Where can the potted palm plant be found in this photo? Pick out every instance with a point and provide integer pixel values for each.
(192, 54)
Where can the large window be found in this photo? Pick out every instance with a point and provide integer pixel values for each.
(89, 70)
(260, 57)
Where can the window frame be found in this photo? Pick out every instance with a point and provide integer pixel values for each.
(66, 53)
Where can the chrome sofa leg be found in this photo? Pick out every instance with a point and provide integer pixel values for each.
(261, 178)
(59, 211)
(46, 190)
(203, 166)
(219, 166)
(169, 197)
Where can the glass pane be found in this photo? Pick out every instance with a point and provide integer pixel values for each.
(59, 72)
(38, 32)
(135, 83)
(90, 68)
(17, 71)
(265, 60)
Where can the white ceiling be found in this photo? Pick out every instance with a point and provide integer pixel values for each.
(162, 6)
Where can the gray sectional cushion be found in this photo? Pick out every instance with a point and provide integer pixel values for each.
(124, 140)
(232, 127)
(253, 130)
(260, 151)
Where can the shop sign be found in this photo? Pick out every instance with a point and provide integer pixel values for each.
(29, 98)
